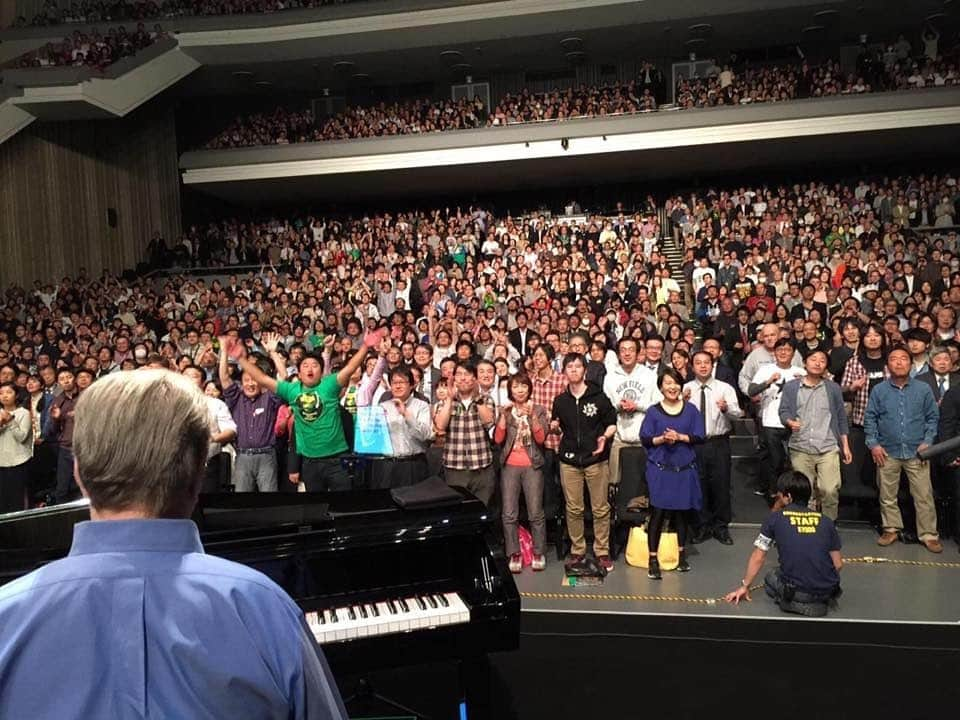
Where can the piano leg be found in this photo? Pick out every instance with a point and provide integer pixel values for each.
(366, 694)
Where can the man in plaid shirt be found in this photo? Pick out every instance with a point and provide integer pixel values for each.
(467, 416)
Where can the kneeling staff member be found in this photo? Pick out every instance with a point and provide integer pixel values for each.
(809, 547)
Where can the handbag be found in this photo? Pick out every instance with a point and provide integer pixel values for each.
(638, 551)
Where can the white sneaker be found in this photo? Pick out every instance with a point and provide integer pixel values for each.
(516, 563)
(539, 562)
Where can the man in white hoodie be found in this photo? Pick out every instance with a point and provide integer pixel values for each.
(632, 388)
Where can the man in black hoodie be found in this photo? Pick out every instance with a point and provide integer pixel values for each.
(588, 421)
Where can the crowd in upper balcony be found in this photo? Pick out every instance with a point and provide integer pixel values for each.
(282, 126)
(56, 12)
(882, 68)
(891, 67)
(92, 49)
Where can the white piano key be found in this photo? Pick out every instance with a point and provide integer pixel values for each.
(338, 626)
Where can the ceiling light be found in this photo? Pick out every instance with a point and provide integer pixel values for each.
(344, 64)
(823, 14)
(263, 83)
(813, 28)
(361, 76)
(573, 40)
(242, 74)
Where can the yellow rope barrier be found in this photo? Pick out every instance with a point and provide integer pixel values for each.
(865, 560)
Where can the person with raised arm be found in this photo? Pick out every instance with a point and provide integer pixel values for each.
(315, 401)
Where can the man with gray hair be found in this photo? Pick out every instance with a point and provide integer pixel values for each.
(147, 625)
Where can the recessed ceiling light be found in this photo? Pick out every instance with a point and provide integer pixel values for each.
(813, 28)
(451, 55)
(361, 76)
(576, 55)
(695, 41)
(461, 66)
(243, 74)
(344, 64)
(700, 28)
(263, 83)
(823, 14)
(573, 40)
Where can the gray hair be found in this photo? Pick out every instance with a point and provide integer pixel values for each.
(140, 441)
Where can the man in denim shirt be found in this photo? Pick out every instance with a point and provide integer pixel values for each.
(900, 421)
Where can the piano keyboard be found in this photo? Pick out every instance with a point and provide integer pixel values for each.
(419, 612)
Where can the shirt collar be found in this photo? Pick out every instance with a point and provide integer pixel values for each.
(154, 535)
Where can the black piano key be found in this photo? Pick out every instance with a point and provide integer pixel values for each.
(404, 606)
(373, 610)
(392, 607)
(420, 603)
(333, 616)
(363, 611)
(431, 601)
(443, 600)
(352, 615)
(322, 617)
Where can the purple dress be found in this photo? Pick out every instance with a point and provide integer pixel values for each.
(672, 488)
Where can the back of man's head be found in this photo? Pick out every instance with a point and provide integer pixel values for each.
(140, 443)
(795, 484)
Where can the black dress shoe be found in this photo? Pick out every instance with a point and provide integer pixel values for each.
(723, 535)
(684, 566)
(701, 536)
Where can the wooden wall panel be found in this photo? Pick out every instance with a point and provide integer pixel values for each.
(58, 181)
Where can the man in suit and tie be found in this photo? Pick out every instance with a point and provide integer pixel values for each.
(520, 335)
(654, 359)
(737, 341)
(429, 375)
(721, 372)
(939, 377)
(807, 304)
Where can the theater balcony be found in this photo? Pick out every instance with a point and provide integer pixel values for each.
(74, 93)
(644, 147)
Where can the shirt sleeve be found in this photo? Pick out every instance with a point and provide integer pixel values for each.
(286, 391)
(835, 543)
(316, 696)
(225, 420)
(421, 424)
(231, 395)
(766, 538)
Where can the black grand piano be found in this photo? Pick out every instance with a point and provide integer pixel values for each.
(381, 587)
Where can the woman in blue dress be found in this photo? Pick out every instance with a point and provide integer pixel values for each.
(669, 432)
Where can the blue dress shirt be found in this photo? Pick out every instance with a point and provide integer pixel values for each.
(137, 622)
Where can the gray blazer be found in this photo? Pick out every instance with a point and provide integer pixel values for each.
(534, 451)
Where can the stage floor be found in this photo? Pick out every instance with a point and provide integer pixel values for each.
(872, 592)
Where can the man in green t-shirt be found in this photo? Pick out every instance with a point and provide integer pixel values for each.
(314, 400)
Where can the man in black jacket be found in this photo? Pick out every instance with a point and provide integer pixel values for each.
(950, 461)
(587, 419)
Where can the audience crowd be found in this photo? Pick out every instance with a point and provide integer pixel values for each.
(55, 12)
(505, 328)
(92, 49)
(730, 84)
